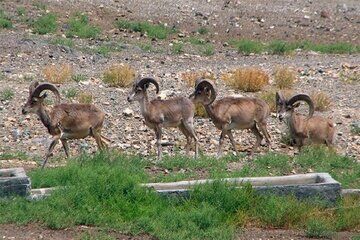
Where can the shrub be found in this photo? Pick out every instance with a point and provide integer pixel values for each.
(20, 11)
(78, 77)
(79, 26)
(248, 46)
(119, 75)
(284, 77)
(318, 228)
(62, 42)
(269, 97)
(58, 74)
(200, 111)
(4, 20)
(6, 94)
(85, 98)
(203, 30)
(322, 101)
(177, 48)
(158, 31)
(191, 77)
(70, 93)
(45, 24)
(248, 79)
(335, 48)
(196, 41)
(207, 49)
(355, 127)
(350, 76)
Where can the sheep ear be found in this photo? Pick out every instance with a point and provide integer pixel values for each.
(146, 85)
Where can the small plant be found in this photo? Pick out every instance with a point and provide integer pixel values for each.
(78, 77)
(7, 94)
(119, 75)
(197, 41)
(146, 47)
(39, 5)
(200, 111)
(284, 77)
(79, 26)
(45, 24)
(63, 42)
(269, 97)
(350, 76)
(207, 50)
(20, 11)
(318, 228)
(71, 93)
(279, 47)
(322, 101)
(58, 74)
(177, 48)
(248, 46)
(355, 127)
(203, 30)
(4, 20)
(85, 98)
(191, 77)
(152, 30)
(248, 79)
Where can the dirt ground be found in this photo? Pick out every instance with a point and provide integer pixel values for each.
(23, 55)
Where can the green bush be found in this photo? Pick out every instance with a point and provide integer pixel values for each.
(177, 48)
(45, 24)
(248, 46)
(7, 94)
(79, 26)
(318, 228)
(4, 20)
(152, 30)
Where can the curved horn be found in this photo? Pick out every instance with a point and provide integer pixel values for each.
(200, 84)
(46, 86)
(143, 81)
(32, 87)
(279, 97)
(305, 98)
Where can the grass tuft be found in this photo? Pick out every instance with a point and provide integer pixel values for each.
(248, 79)
(322, 101)
(85, 98)
(157, 31)
(247, 47)
(63, 42)
(5, 21)
(78, 77)
(177, 48)
(45, 24)
(317, 228)
(284, 77)
(119, 75)
(58, 74)
(79, 26)
(6, 94)
(191, 77)
(203, 30)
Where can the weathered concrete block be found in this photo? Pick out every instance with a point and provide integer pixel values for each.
(13, 181)
(303, 186)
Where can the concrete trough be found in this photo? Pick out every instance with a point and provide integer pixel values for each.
(302, 186)
(13, 181)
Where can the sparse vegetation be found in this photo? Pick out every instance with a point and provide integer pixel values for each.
(191, 77)
(85, 98)
(63, 42)
(279, 47)
(119, 75)
(70, 93)
(350, 76)
(248, 79)
(203, 30)
(5, 21)
(207, 49)
(39, 5)
(322, 101)
(6, 94)
(146, 47)
(355, 127)
(78, 77)
(284, 77)
(45, 24)
(20, 11)
(177, 48)
(269, 97)
(158, 31)
(247, 47)
(79, 26)
(197, 41)
(58, 74)
(317, 228)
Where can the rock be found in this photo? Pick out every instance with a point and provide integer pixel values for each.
(324, 14)
(128, 112)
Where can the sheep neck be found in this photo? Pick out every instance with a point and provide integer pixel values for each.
(45, 118)
(210, 111)
(144, 105)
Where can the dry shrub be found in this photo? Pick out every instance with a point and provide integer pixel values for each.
(200, 111)
(284, 77)
(58, 74)
(351, 76)
(322, 101)
(248, 79)
(119, 75)
(191, 77)
(269, 97)
(85, 98)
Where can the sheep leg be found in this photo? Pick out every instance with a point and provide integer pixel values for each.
(158, 133)
(189, 126)
(259, 137)
(221, 142)
(66, 147)
(231, 137)
(50, 150)
(188, 139)
(263, 129)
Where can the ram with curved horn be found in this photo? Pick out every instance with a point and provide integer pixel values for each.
(315, 129)
(159, 114)
(231, 113)
(65, 121)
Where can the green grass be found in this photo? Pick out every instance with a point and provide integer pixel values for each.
(40, 5)
(279, 47)
(355, 127)
(6, 94)
(203, 30)
(177, 48)
(5, 21)
(102, 190)
(207, 49)
(78, 77)
(70, 93)
(20, 11)
(197, 41)
(63, 42)
(79, 26)
(157, 31)
(45, 24)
